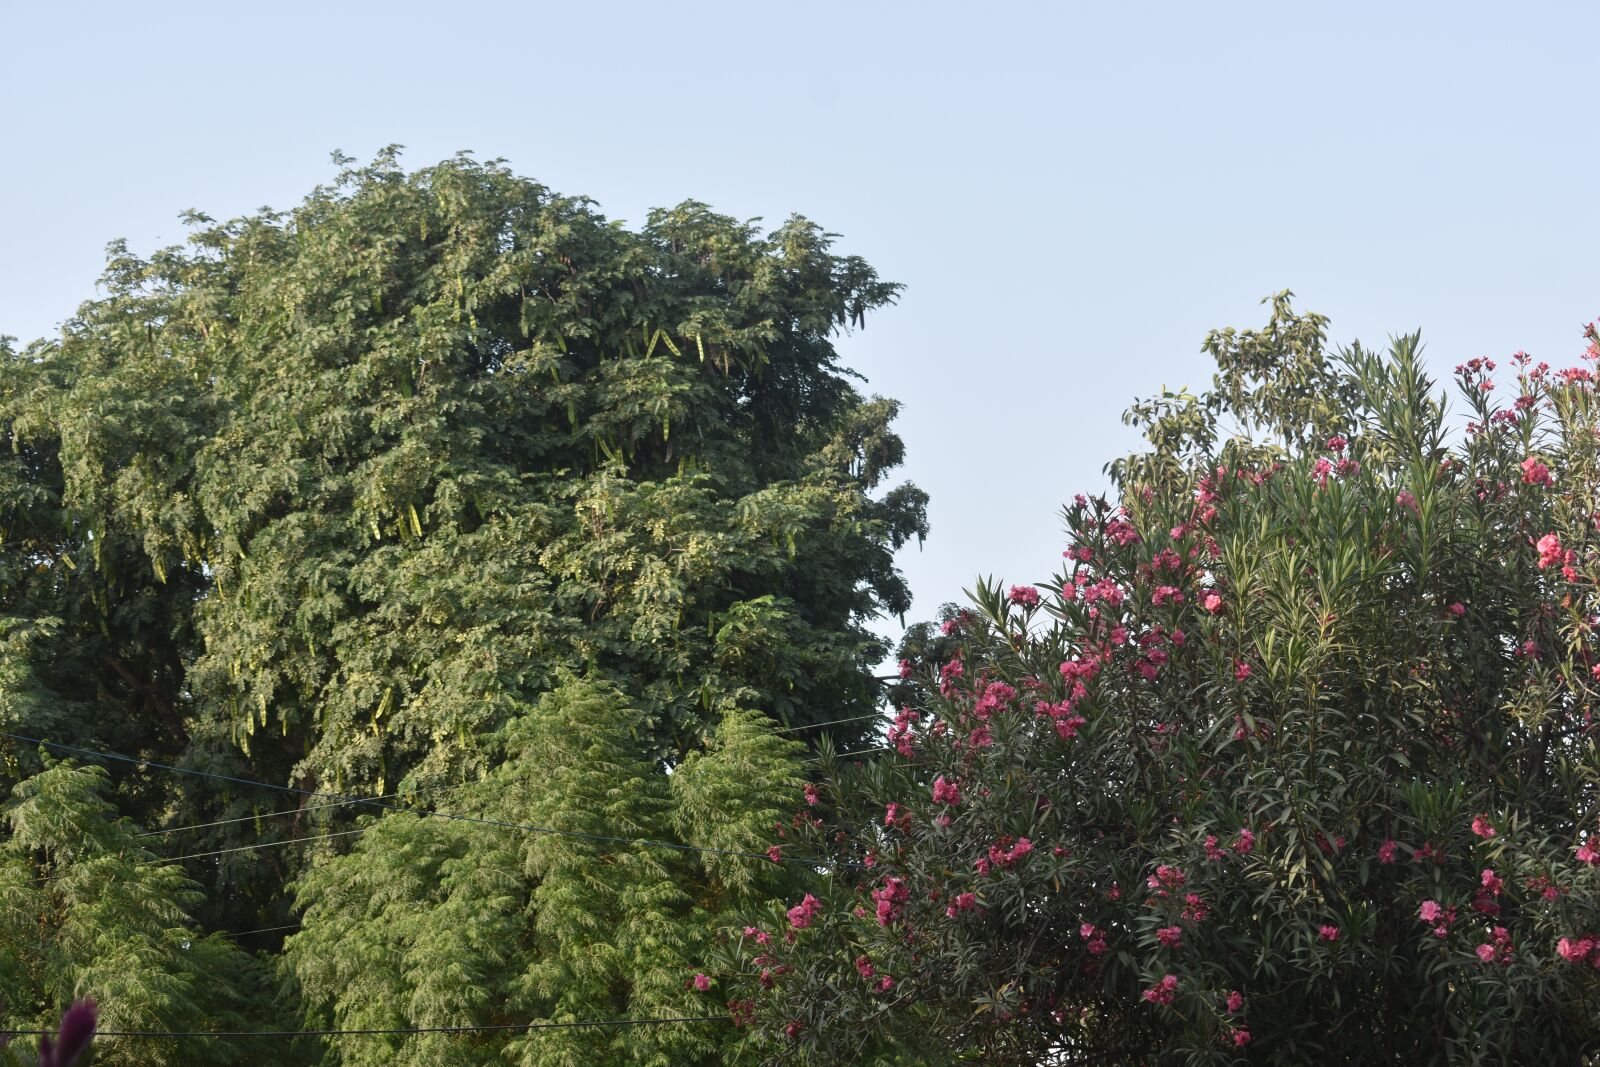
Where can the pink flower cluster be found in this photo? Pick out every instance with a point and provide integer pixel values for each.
(1534, 472)
(1484, 902)
(997, 696)
(1162, 992)
(1585, 949)
(891, 900)
(1498, 949)
(1587, 852)
(901, 734)
(1001, 857)
(1166, 878)
(1025, 595)
(1440, 917)
(948, 793)
(961, 902)
(1551, 552)
(1061, 715)
(1095, 937)
(801, 915)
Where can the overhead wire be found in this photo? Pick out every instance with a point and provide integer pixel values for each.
(420, 812)
(259, 844)
(374, 1031)
(253, 818)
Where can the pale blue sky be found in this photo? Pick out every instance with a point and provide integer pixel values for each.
(1073, 194)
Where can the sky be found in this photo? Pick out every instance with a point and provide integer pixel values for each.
(1072, 194)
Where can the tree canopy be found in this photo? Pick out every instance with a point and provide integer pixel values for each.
(352, 498)
(1294, 761)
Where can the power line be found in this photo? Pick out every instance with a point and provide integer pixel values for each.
(263, 930)
(486, 1028)
(261, 844)
(378, 803)
(253, 818)
(832, 722)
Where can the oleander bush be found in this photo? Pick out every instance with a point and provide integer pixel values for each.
(1294, 761)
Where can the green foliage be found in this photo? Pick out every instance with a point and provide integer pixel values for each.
(430, 923)
(85, 911)
(1307, 718)
(338, 497)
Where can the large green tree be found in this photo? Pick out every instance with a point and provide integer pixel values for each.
(333, 497)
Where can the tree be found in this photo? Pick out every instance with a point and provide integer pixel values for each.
(330, 496)
(383, 496)
(1293, 762)
(437, 923)
(85, 911)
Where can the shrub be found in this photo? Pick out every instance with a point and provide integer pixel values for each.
(1293, 762)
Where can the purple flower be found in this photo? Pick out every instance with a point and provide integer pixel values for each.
(77, 1030)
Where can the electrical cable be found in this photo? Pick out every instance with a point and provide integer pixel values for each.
(258, 844)
(832, 722)
(372, 802)
(486, 1028)
(253, 818)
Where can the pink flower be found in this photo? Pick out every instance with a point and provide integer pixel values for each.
(1387, 850)
(1575, 951)
(1166, 877)
(775, 854)
(1587, 853)
(1336, 443)
(905, 668)
(1235, 1002)
(1534, 472)
(702, 982)
(1550, 551)
(946, 792)
(1481, 827)
(1246, 842)
(1485, 953)
(1026, 595)
(1328, 933)
(885, 984)
(1162, 992)
(1458, 609)
(961, 902)
(864, 966)
(1212, 602)
(890, 900)
(1241, 670)
(801, 914)
(810, 794)
(1170, 936)
(1241, 1037)
(1430, 911)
